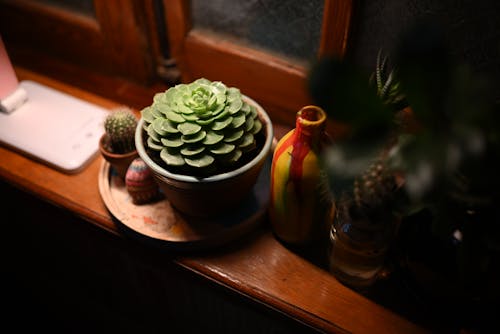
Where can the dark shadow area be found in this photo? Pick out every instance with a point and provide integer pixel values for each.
(64, 275)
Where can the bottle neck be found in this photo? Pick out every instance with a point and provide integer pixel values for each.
(310, 123)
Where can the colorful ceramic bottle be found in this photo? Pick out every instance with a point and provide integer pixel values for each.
(301, 204)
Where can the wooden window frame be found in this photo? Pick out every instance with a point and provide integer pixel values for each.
(278, 84)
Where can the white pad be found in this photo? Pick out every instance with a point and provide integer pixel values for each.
(52, 127)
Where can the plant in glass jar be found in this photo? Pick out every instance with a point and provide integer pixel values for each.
(447, 163)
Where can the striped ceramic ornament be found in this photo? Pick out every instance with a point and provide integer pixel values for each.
(300, 201)
(140, 183)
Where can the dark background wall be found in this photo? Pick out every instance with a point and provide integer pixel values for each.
(472, 28)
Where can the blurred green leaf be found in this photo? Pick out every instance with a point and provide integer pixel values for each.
(343, 91)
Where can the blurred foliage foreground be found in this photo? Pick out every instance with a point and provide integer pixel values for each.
(434, 124)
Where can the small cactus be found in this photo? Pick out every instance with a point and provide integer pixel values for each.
(120, 127)
(201, 128)
(373, 197)
(374, 189)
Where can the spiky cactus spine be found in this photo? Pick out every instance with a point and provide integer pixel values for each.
(120, 127)
(373, 191)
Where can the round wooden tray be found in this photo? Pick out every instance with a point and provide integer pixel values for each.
(161, 224)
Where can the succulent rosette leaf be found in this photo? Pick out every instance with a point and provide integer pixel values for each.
(201, 126)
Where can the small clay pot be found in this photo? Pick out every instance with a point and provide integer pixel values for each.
(119, 161)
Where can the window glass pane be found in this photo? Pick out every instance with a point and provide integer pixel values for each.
(290, 28)
(85, 7)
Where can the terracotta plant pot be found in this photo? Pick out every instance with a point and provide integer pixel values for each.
(212, 195)
(119, 162)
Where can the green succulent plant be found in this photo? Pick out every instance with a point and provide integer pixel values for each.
(387, 84)
(201, 128)
(120, 127)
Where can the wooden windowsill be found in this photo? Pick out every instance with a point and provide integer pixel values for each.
(259, 267)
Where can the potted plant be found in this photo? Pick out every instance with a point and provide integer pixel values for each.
(117, 144)
(448, 164)
(205, 143)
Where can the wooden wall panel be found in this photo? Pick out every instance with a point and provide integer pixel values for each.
(114, 42)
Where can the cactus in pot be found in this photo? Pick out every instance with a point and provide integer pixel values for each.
(201, 128)
(117, 144)
(120, 127)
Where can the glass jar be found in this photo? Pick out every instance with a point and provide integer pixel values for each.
(358, 247)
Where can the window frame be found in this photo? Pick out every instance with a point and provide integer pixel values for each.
(277, 83)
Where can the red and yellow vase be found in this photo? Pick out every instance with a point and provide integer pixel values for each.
(301, 203)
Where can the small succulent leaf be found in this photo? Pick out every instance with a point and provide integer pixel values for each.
(156, 112)
(168, 96)
(194, 138)
(233, 92)
(232, 157)
(222, 124)
(187, 128)
(201, 161)
(222, 148)
(257, 126)
(192, 150)
(222, 115)
(212, 138)
(220, 107)
(169, 126)
(233, 136)
(249, 122)
(387, 85)
(238, 120)
(253, 112)
(204, 122)
(219, 88)
(172, 142)
(152, 133)
(221, 98)
(212, 103)
(154, 145)
(171, 157)
(159, 98)
(191, 118)
(157, 126)
(183, 109)
(234, 106)
(182, 88)
(246, 141)
(147, 114)
(202, 81)
(246, 108)
(175, 117)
